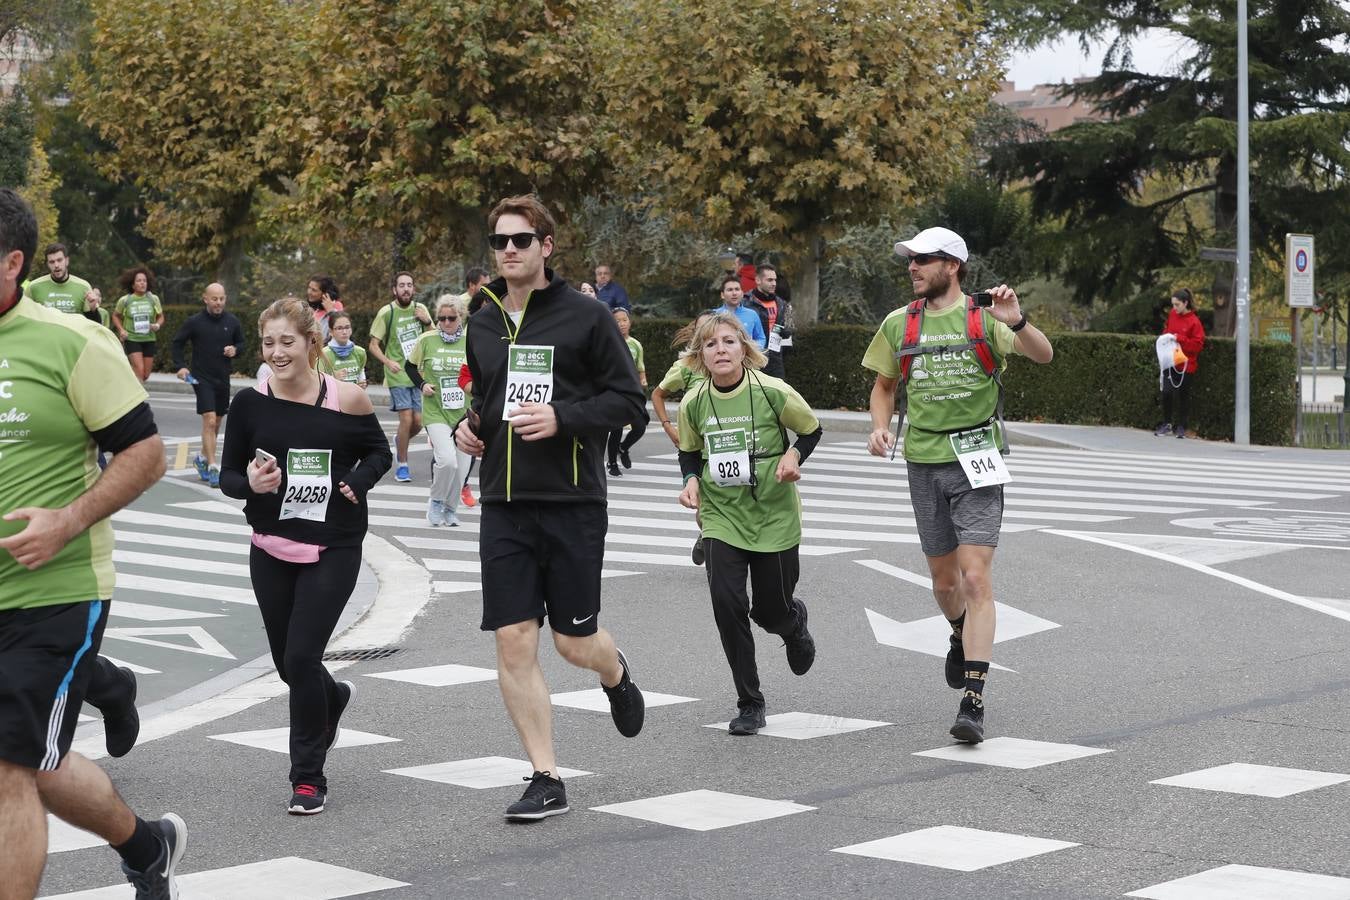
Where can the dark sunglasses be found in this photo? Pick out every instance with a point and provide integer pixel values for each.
(522, 240)
(924, 259)
(447, 318)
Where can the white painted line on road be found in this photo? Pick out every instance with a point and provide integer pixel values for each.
(289, 878)
(1013, 753)
(1276, 593)
(62, 837)
(439, 676)
(595, 699)
(202, 641)
(1255, 781)
(184, 524)
(182, 542)
(959, 849)
(703, 810)
(1249, 883)
(479, 774)
(145, 612)
(175, 588)
(180, 563)
(914, 578)
(138, 669)
(278, 740)
(405, 590)
(801, 726)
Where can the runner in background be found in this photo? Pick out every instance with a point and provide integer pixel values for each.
(324, 298)
(58, 289)
(303, 450)
(618, 444)
(137, 317)
(434, 367)
(217, 339)
(681, 379)
(392, 336)
(341, 357)
(94, 310)
(741, 474)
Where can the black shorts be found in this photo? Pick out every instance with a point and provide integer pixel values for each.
(146, 347)
(212, 397)
(542, 559)
(46, 660)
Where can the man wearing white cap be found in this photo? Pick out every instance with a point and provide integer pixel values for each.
(949, 352)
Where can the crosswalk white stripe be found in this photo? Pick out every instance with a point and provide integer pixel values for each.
(181, 542)
(183, 524)
(177, 588)
(180, 563)
(145, 612)
(1109, 473)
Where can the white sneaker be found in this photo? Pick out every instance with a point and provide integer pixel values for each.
(436, 512)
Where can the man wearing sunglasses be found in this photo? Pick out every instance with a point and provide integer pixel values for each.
(399, 326)
(551, 378)
(950, 351)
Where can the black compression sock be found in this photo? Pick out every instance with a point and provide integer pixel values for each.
(976, 672)
(957, 624)
(143, 849)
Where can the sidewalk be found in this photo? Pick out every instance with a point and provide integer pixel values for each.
(1027, 434)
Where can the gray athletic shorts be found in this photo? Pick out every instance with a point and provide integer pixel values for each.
(948, 511)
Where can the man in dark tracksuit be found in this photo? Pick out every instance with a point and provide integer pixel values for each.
(217, 340)
(775, 314)
(551, 377)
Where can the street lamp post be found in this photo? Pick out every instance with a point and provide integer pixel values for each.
(1242, 388)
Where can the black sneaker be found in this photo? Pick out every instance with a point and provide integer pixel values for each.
(307, 800)
(697, 554)
(969, 726)
(625, 703)
(614, 470)
(348, 691)
(748, 721)
(956, 664)
(545, 797)
(801, 647)
(157, 882)
(625, 458)
(1162, 429)
(1179, 431)
(122, 724)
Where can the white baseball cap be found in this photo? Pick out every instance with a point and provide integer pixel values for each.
(934, 240)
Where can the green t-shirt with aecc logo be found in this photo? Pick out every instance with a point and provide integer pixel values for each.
(768, 519)
(66, 296)
(438, 362)
(397, 328)
(62, 377)
(352, 369)
(679, 377)
(946, 392)
(138, 314)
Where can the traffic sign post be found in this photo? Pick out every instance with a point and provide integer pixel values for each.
(1299, 265)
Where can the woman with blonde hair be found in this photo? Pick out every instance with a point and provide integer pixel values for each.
(740, 474)
(434, 367)
(303, 450)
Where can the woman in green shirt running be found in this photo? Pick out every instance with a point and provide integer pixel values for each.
(434, 367)
(136, 318)
(740, 473)
(341, 357)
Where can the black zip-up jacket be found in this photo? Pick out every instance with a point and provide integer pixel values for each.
(595, 391)
(209, 336)
(755, 301)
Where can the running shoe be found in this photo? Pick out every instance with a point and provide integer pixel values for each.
(625, 458)
(626, 705)
(801, 647)
(436, 512)
(545, 797)
(969, 726)
(614, 470)
(402, 474)
(1162, 429)
(748, 721)
(199, 462)
(450, 519)
(156, 883)
(306, 801)
(1179, 431)
(122, 724)
(347, 690)
(697, 554)
(956, 664)
(466, 497)
(213, 477)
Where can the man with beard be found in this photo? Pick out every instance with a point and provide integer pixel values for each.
(399, 326)
(59, 289)
(948, 351)
(775, 316)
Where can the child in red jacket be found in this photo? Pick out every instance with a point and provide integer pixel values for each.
(1184, 324)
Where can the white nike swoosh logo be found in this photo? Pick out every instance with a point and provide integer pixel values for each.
(579, 621)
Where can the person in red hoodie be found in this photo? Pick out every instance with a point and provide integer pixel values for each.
(1190, 334)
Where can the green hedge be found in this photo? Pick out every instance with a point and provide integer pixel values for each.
(1095, 379)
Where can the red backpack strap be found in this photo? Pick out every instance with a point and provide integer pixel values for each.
(979, 342)
(913, 329)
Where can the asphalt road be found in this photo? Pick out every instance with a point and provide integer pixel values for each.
(1168, 609)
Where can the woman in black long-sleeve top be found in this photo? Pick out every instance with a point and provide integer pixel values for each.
(303, 449)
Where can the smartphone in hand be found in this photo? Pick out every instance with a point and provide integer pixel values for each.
(983, 298)
(261, 456)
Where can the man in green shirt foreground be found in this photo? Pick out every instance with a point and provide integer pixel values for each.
(65, 391)
(59, 289)
(950, 352)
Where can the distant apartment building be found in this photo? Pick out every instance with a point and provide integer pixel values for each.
(1043, 106)
(17, 53)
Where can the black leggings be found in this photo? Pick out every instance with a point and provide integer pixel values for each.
(617, 440)
(773, 577)
(1183, 394)
(300, 605)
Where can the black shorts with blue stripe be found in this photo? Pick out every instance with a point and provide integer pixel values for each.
(47, 657)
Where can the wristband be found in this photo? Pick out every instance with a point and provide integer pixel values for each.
(1021, 323)
(665, 421)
